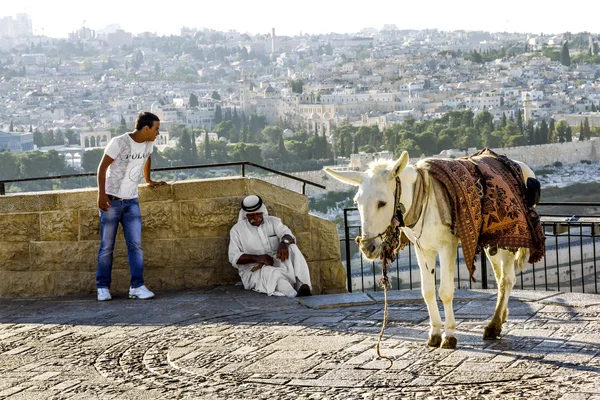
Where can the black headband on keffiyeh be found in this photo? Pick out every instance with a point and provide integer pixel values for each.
(252, 203)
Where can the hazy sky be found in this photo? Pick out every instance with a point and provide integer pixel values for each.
(58, 18)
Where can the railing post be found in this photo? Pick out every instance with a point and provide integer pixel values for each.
(243, 170)
(348, 264)
(2, 189)
(484, 284)
(303, 187)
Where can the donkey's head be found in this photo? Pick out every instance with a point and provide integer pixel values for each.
(375, 199)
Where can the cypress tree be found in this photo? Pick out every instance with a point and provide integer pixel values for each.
(206, 146)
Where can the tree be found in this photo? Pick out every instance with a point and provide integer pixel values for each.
(297, 86)
(565, 57)
(581, 132)
(218, 115)
(543, 135)
(215, 95)
(520, 120)
(561, 131)
(185, 146)
(503, 123)
(193, 102)
(206, 146)
(90, 159)
(194, 148)
(122, 127)
(237, 122)
(569, 134)
(9, 166)
(586, 128)
(281, 146)
(225, 129)
(551, 132)
(11, 127)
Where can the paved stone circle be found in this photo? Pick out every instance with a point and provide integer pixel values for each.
(224, 343)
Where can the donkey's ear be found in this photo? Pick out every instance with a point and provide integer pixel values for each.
(349, 177)
(399, 166)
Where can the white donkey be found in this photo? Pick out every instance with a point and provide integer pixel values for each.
(376, 203)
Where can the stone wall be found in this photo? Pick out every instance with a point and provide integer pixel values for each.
(49, 240)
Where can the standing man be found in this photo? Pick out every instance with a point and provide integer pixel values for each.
(126, 158)
(265, 254)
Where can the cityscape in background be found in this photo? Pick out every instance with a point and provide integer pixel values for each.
(293, 102)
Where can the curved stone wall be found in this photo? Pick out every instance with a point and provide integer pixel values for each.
(49, 240)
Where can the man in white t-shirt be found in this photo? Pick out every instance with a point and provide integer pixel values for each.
(126, 159)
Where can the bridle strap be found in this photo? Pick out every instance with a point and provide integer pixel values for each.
(397, 219)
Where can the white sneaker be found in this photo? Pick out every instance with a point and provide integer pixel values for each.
(104, 294)
(141, 293)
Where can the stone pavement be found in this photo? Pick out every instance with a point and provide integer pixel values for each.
(227, 343)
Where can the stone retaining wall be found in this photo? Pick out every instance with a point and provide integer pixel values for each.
(49, 240)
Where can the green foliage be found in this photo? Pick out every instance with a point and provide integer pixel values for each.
(565, 57)
(193, 101)
(90, 159)
(297, 86)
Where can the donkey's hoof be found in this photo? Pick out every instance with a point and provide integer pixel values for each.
(449, 342)
(435, 340)
(491, 333)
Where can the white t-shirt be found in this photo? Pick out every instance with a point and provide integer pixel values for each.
(123, 175)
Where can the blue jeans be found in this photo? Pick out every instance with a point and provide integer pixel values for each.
(126, 212)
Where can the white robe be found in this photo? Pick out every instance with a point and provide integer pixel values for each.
(265, 239)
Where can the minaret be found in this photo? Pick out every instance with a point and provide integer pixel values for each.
(272, 40)
(527, 107)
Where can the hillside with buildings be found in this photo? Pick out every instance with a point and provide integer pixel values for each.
(292, 102)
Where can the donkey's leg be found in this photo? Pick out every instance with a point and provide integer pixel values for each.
(427, 266)
(446, 292)
(504, 269)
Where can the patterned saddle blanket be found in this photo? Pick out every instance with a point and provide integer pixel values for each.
(489, 204)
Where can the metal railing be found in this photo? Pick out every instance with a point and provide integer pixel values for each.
(570, 261)
(241, 164)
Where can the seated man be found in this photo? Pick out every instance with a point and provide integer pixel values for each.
(264, 251)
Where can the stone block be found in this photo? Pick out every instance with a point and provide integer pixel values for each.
(325, 239)
(30, 202)
(200, 252)
(20, 227)
(26, 283)
(297, 222)
(333, 277)
(121, 280)
(272, 194)
(315, 277)
(303, 239)
(199, 277)
(64, 256)
(161, 220)
(59, 225)
(14, 256)
(89, 224)
(209, 188)
(157, 193)
(226, 275)
(209, 218)
(164, 278)
(74, 282)
(78, 199)
(158, 253)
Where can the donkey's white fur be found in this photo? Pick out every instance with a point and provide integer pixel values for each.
(375, 202)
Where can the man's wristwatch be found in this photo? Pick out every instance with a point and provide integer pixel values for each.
(286, 241)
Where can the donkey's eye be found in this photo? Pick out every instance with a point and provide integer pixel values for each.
(381, 204)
